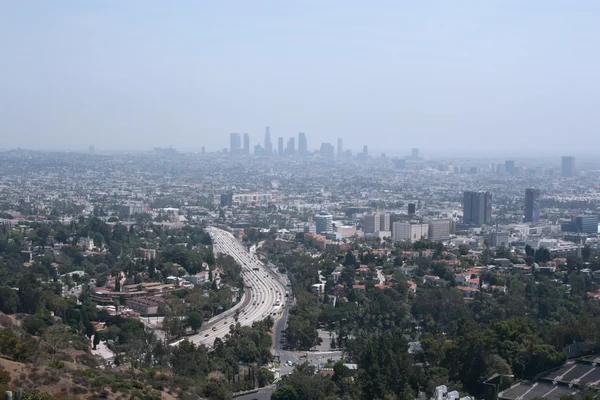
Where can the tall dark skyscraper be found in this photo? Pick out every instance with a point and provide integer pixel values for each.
(477, 208)
(302, 145)
(246, 144)
(532, 205)
(235, 143)
(568, 166)
(340, 148)
(280, 146)
(268, 144)
(412, 208)
(226, 199)
(366, 151)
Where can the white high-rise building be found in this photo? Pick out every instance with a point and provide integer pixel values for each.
(402, 231)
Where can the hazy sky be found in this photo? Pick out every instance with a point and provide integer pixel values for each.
(449, 77)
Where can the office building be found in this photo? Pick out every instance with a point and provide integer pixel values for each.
(412, 208)
(439, 230)
(371, 223)
(586, 224)
(366, 151)
(409, 231)
(268, 145)
(324, 222)
(532, 205)
(568, 166)
(509, 167)
(235, 144)
(340, 148)
(280, 146)
(327, 150)
(291, 147)
(226, 199)
(344, 231)
(246, 144)
(302, 144)
(414, 154)
(477, 208)
(384, 222)
(129, 210)
(252, 198)
(310, 228)
(399, 163)
(495, 239)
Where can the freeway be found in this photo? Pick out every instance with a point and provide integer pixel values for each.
(264, 294)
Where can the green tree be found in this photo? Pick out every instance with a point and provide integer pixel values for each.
(529, 251)
(384, 365)
(189, 360)
(194, 320)
(264, 377)
(34, 325)
(286, 392)
(9, 300)
(586, 253)
(29, 296)
(542, 255)
(349, 259)
(463, 249)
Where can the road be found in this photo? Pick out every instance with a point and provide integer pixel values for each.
(264, 294)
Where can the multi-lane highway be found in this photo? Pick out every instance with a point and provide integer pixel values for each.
(264, 294)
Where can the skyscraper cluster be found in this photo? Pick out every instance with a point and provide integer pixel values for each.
(239, 146)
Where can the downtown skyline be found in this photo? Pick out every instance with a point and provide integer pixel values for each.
(466, 79)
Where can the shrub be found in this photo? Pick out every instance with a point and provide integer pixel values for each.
(76, 390)
(56, 364)
(138, 385)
